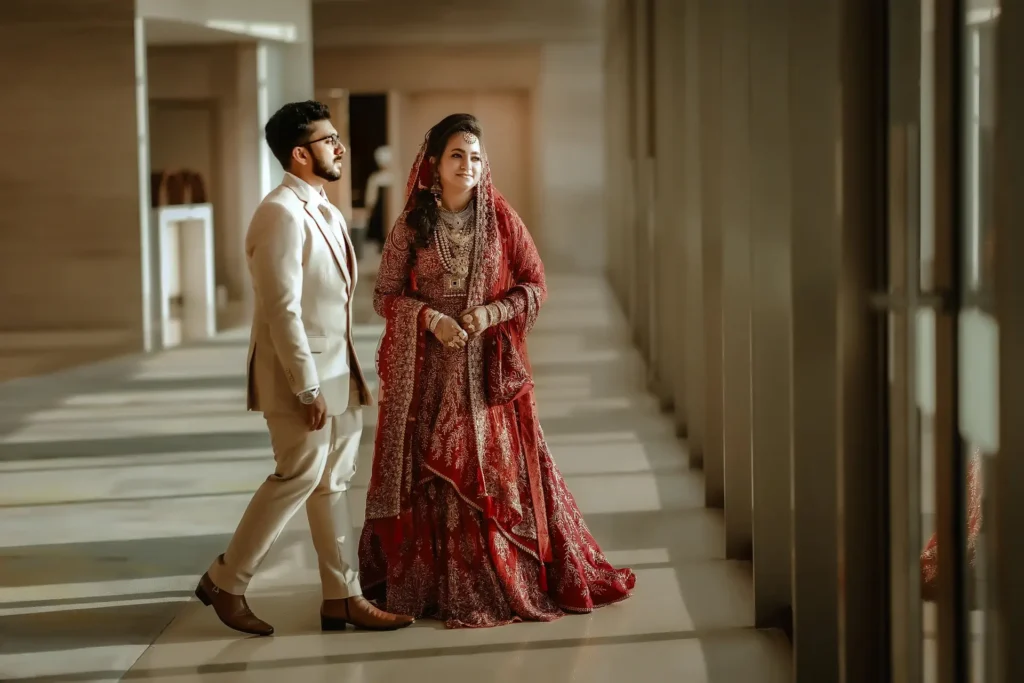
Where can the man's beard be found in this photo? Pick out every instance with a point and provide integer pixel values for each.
(326, 170)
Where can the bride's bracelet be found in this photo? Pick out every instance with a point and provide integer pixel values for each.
(494, 313)
(433, 318)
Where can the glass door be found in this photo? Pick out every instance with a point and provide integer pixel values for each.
(943, 375)
(978, 329)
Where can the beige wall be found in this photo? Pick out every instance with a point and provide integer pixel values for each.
(190, 72)
(222, 79)
(564, 83)
(381, 68)
(404, 22)
(70, 241)
(184, 134)
(569, 151)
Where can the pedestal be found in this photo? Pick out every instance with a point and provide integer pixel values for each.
(188, 298)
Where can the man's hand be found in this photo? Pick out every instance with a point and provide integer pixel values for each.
(316, 413)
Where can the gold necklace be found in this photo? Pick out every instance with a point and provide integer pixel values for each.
(454, 240)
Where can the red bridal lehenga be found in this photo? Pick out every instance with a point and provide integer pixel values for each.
(468, 519)
(930, 556)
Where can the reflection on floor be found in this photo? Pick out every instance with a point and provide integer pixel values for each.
(122, 480)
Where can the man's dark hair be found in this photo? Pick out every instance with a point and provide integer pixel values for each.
(289, 127)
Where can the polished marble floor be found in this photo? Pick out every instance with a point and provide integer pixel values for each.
(121, 480)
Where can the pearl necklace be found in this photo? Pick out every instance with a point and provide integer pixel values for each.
(454, 239)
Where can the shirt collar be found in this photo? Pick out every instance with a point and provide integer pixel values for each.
(312, 193)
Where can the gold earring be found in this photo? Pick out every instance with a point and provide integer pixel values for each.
(436, 189)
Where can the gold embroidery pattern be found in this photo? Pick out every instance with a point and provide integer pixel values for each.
(452, 529)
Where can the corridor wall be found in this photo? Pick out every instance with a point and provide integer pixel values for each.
(71, 249)
(740, 202)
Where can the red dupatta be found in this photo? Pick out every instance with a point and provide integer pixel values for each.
(505, 264)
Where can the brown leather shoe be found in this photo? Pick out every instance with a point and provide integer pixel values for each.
(335, 614)
(231, 609)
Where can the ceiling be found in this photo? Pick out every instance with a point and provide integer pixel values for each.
(345, 23)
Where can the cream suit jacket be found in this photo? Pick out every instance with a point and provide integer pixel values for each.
(303, 273)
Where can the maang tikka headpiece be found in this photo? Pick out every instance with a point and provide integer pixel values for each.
(469, 137)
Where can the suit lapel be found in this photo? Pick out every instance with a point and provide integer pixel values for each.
(336, 243)
(327, 231)
(350, 252)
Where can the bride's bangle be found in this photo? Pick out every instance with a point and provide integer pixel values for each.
(493, 314)
(433, 318)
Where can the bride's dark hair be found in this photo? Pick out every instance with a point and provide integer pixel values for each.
(423, 216)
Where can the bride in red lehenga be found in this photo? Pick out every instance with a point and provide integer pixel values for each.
(467, 518)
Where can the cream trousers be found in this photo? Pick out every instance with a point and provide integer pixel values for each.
(313, 469)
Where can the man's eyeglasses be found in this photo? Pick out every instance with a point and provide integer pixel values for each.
(334, 140)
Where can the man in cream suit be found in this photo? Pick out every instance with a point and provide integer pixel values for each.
(304, 376)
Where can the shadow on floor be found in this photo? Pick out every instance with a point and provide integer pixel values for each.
(689, 538)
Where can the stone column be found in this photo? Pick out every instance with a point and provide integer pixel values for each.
(73, 265)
